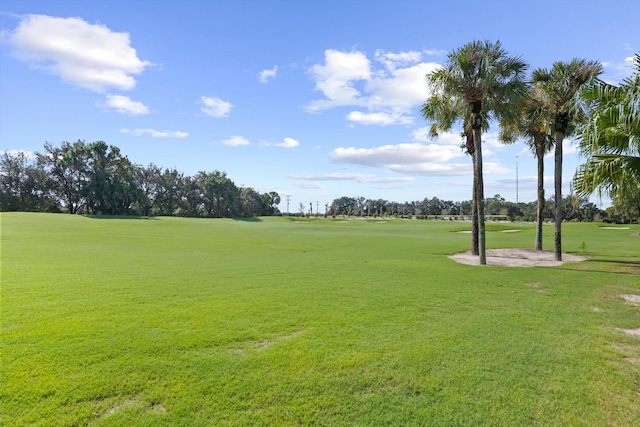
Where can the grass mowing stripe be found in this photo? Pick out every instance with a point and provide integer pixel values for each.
(175, 321)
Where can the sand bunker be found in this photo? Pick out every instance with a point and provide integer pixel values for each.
(517, 257)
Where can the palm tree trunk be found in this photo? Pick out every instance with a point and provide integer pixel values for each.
(474, 213)
(474, 198)
(558, 195)
(540, 207)
(477, 142)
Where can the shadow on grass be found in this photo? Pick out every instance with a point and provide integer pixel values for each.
(121, 217)
(252, 219)
(625, 267)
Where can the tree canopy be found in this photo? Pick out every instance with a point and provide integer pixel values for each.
(98, 179)
(610, 138)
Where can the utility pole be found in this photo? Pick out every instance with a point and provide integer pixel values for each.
(288, 199)
(516, 180)
(317, 208)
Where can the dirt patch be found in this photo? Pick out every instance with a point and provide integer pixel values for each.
(632, 332)
(517, 257)
(631, 298)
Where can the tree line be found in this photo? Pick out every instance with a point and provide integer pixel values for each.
(574, 208)
(97, 179)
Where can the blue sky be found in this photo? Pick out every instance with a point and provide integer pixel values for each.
(312, 99)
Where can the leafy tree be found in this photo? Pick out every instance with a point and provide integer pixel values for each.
(67, 168)
(227, 195)
(488, 82)
(173, 189)
(560, 89)
(626, 205)
(272, 199)
(253, 203)
(191, 202)
(219, 194)
(148, 180)
(111, 187)
(344, 205)
(24, 184)
(610, 139)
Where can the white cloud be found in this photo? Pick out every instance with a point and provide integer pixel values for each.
(431, 52)
(447, 169)
(83, 54)
(616, 72)
(393, 60)
(490, 168)
(288, 143)
(312, 186)
(265, 75)
(445, 138)
(490, 139)
(379, 118)
(388, 92)
(29, 155)
(215, 107)
(156, 133)
(235, 141)
(569, 146)
(434, 169)
(414, 159)
(124, 105)
(336, 78)
(402, 87)
(393, 155)
(358, 177)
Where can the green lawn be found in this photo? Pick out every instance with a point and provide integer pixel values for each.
(200, 322)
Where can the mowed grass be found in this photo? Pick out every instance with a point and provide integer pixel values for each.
(201, 322)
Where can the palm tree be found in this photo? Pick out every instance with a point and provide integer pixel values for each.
(534, 124)
(560, 87)
(485, 80)
(610, 138)
(446, 112)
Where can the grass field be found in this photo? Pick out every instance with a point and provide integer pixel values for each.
(199, 322)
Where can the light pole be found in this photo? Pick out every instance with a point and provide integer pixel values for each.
(516, 180)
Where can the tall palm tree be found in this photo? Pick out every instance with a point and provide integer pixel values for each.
(560, 87)
(446, 112)
(534, 124)
(610, 138)
(483, 77)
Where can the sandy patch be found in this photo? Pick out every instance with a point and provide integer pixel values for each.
(615, 228)
(631, 298)
(632, 332)
(509, 231)
(517, 257)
